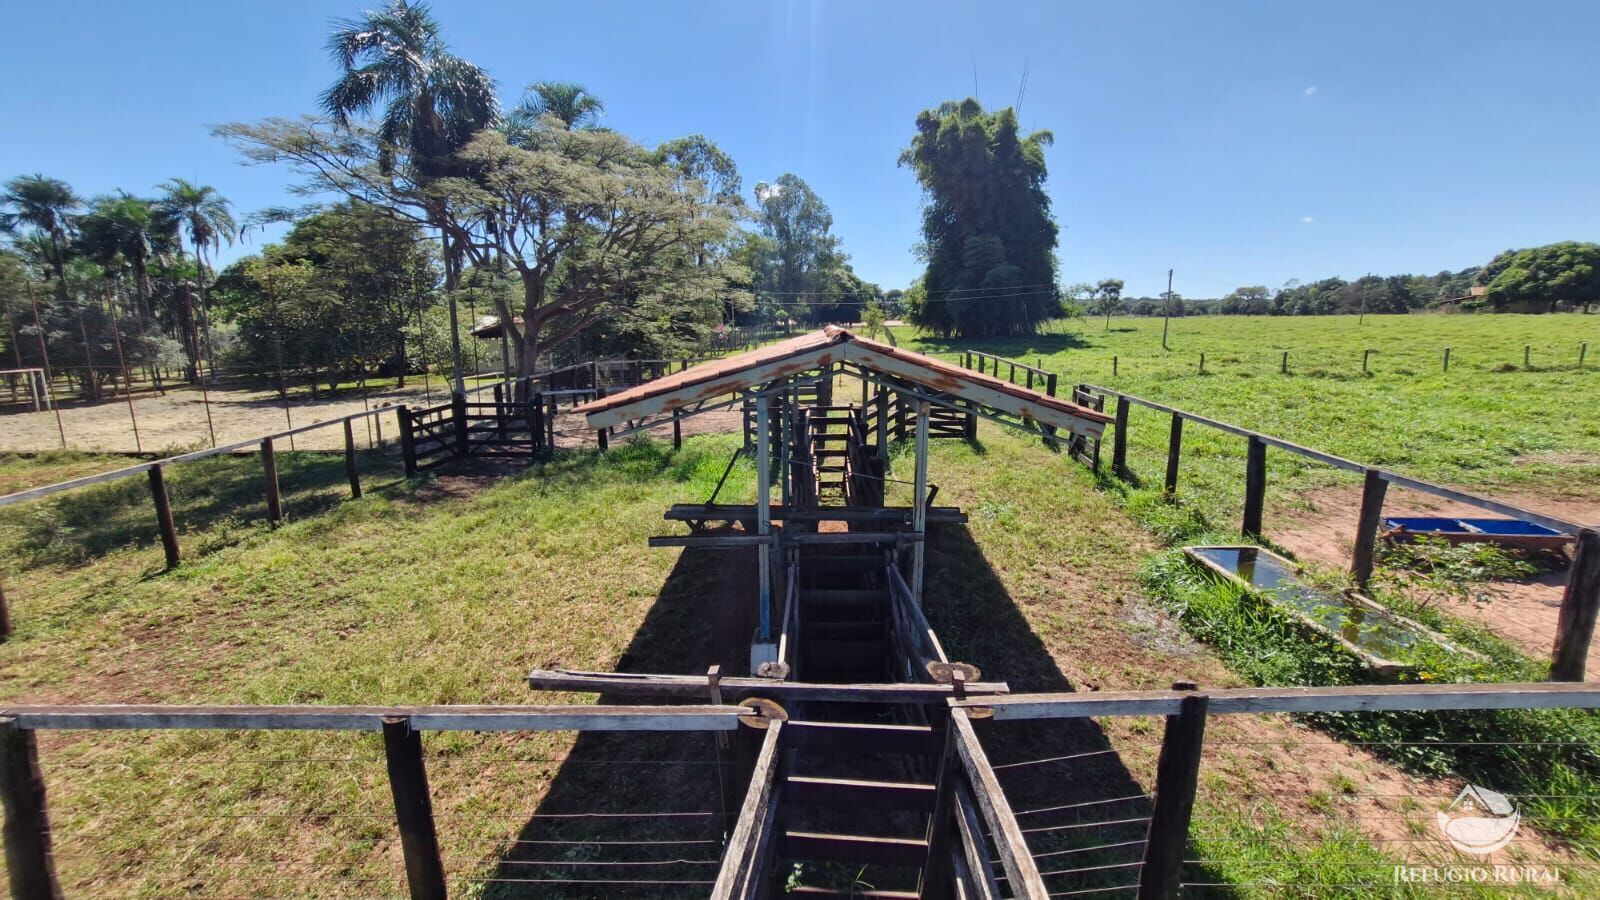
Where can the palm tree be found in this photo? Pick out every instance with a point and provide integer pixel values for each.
(208, 218)
(569, 103)
(436, 102)
(128, 229)
(47, 205)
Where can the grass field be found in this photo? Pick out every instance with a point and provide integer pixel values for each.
(448, 589)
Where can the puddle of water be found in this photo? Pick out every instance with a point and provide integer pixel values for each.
(1368, 629)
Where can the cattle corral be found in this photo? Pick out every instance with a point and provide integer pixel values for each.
(1001, 592)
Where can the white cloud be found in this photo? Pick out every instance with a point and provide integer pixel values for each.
(1307, 220)
(1311, 91)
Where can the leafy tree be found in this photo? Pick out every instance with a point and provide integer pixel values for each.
(1541, 278)
(47, 206)
(989, 237)
(206, 217)
(803, 258)
(1109, 292)
(875, 323)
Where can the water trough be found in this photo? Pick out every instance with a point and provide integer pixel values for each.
(1379, 637)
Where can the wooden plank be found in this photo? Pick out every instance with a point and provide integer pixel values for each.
(974, 849)
(736, 876)
(1177, 777)
(1373, 489)
(370, 718)
(413, 808)
(1579, 605)
(710, 541)
(696, 686)
(734, 512)
(849, 793)
(1021, 872)
(30, 865)
(853, 848)
(855, 737)
(1354, 698)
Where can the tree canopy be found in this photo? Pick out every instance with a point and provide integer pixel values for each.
(987, 231)
(1539, 278)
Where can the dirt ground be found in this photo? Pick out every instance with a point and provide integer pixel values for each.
(1523, 612)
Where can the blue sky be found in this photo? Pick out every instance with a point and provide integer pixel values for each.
(1238, 143)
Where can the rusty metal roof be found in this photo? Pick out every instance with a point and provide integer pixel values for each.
(832, 344)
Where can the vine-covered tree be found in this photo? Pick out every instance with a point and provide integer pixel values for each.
(987, 230)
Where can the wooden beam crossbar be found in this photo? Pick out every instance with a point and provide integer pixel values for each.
(370, 718)
(697, 686)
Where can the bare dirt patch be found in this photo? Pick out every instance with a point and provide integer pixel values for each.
(1523, 612)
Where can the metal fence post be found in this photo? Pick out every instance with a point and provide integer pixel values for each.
(29, 861)
(413, 808)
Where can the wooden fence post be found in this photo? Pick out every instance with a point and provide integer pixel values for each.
(1119, 440)
(1113, 367)
(413, 808)
(1579, 605)
(533, 412)
(1283, 367)
(1447, 359)
(1255, 486)
(350, 470)
(29, 862)
(269, 469)
(1174, 451)
(603, 435)
(1583, 350)
(408, 447)
(164, 523)
(1372, 494)
(677, 429)
(1364, 355)
(939, 870)
(458, 418)
(5, 616)
(1527, 356)
(1177, 777)
(499, 413)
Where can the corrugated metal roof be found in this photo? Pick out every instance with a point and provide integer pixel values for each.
(932, 373)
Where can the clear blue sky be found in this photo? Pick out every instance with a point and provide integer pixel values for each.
(1239, 143)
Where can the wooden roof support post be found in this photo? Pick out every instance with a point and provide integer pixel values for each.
(919, 504)
(743, 863)
(764, 509)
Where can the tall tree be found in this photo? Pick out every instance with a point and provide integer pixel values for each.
(1539, 278)
(803, 255)
(1109, 292)
(563, 101)
(46, 205)
(206, 217)
(436, 102)
(987, 230)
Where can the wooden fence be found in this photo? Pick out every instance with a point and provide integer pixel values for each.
(1580, 601)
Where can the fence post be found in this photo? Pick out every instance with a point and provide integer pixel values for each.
(5, 616)
(1579, 605)
(603, 435)
(499, 413)
(164, 523)
(1583, 350)
(1113, 367)
(29, 861)
(533, 412)
(458, 416)
(1119, 441)
(408, 446)
(350, 469)
(1174, 450)
(1255, 486)
(269, 469)
(413, 808)
(1372, 494)
(1527, 356)
(677, 429)
(1283, 367)
(1177, 777)
(1447, 359)
(1202, 364)
(1364, 355)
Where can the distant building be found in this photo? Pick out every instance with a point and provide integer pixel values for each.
(1453, 304)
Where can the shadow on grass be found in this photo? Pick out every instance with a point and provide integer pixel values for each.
(1078, 803)
(1038, 345)
(637, 813)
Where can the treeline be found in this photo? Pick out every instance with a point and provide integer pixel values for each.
(1550, 278)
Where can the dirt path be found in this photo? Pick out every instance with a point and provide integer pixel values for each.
(1523, 612)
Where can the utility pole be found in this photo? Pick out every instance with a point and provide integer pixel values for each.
(1166, 312)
